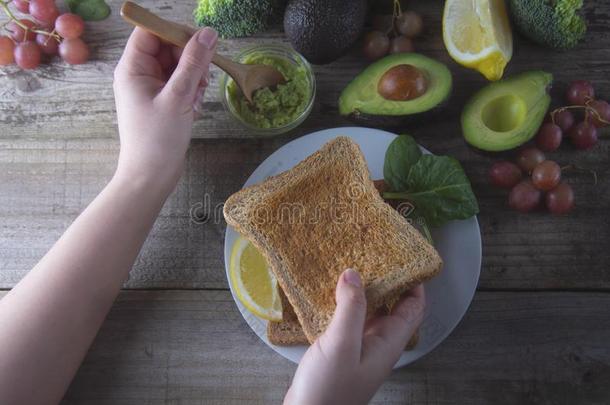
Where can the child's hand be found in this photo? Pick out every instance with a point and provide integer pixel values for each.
(156, 86)
(349, 362)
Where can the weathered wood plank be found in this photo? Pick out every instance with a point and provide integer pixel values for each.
(192, 347)
(60, 101)
(45, 184)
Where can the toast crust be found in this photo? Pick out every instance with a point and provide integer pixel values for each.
(321, 217)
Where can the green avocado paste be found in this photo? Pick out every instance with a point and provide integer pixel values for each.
(277, 107)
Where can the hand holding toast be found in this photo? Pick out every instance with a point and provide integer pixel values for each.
(349, 362)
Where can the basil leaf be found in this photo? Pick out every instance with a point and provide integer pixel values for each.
(440, 190)
(89, 10)
(400, 156)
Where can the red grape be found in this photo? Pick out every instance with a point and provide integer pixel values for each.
(7, 47)
(560, 200)
(27, 55)
(529, 158)
(546, 175)
(409, 24)
(583, 135)
(74, 51)
(549, 137)
(504, 174)
(579, 91)
(18, 33)
(564, 119)
(603, 110)
(44, 11)
(22, 5)
(401, 44)
(48, 45)
(375, 45)
(524, 197)
(69, 26)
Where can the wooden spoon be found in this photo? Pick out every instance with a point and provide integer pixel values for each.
(248, 77)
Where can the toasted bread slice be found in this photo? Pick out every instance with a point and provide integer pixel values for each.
(288, 331)
(321, 217)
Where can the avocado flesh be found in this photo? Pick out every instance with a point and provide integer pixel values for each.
(361, 97)
(508, 113)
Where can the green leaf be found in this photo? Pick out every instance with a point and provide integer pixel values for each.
(440, 190)
(89, 10)
(400, 156)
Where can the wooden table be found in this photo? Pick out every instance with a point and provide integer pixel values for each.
(537, 332)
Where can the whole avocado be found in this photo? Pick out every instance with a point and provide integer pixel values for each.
(555, 24)
(322, 30)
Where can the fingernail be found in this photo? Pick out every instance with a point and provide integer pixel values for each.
(207, 37)
(352, 277)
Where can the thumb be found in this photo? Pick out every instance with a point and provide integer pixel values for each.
(192, 68)
(345, 330)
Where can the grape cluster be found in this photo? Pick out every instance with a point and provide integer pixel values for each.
(48, 33)
(595, 114)
(543, 183)
(392, 33)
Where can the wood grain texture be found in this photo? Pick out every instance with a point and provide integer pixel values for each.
(193, 347)
(58, 147)
(44, 185)
(62, 101)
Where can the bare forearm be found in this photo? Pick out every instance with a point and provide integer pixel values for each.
(48, 321)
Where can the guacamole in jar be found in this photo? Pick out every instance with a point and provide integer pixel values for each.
(277, 107)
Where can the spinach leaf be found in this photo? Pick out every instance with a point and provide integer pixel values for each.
(89, 10)
(440, 190)
(400, 156)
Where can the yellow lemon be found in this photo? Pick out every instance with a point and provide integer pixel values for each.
(477, 35)
(253, 282)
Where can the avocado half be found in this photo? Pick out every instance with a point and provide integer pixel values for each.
(361, 101)
(508, 113)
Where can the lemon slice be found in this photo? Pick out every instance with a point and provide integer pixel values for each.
(253, 282)
(477, 35)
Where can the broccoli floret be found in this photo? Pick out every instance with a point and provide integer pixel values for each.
(553, 23)
(237, 18)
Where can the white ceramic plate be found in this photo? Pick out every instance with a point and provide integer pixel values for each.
(459, 244)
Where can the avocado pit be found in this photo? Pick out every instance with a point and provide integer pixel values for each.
(402, 83)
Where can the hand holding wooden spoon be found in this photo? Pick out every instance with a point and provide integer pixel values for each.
(248, 78)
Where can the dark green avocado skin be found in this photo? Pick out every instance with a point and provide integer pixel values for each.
(323, 30)
(397, 121)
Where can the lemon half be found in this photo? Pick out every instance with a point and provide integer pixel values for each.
(253, 282)
(477, 35)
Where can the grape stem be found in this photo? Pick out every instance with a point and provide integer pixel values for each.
(397, 8)
(11, 16)
(395, 13)
(581, 169)
(588, 110)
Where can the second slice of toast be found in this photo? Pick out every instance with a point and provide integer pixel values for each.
(321, 217)
(288, 331)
